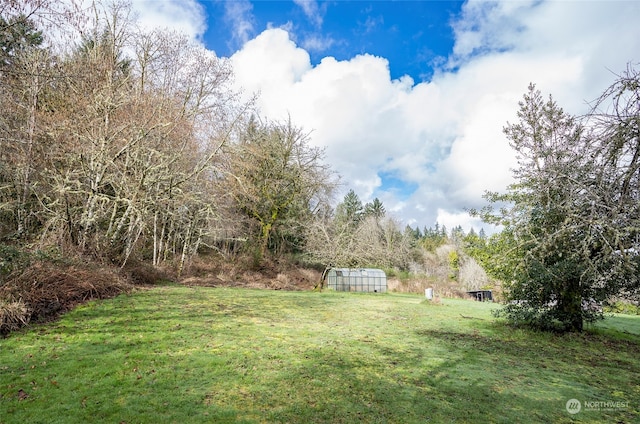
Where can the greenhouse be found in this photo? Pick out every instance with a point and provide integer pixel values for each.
(357, 280)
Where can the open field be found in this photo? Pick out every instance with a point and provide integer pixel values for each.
(175, 354)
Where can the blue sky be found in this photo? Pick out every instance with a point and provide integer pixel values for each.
(411, 35)
(409, 98)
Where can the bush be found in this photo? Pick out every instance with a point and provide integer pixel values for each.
(621, 307)
(45, 289)
(396, 273)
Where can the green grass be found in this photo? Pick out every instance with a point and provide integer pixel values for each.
(183, 355)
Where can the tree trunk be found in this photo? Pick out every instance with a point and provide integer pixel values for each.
(570, 308)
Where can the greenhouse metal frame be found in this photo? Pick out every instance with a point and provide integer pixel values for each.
(357, 280)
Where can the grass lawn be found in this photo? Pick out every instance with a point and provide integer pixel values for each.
(214, 355)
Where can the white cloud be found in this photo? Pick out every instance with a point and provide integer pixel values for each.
(271, 64)
(317, 42)
(238, 14)
(372, 23)
(368, 122)
(489, 26)
(311, 10)
(453, 219)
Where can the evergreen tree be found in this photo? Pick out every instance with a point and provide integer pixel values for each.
(350, 211)
(17, 34)
(375, 209)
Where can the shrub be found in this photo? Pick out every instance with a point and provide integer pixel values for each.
(44, 290)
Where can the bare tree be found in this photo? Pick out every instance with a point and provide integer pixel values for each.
(373, 242)
(471, 275)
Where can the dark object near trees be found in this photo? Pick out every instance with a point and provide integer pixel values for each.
(481, 295)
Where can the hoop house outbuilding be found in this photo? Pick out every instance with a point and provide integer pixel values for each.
(357, 280)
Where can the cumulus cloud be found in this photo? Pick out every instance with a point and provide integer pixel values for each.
(371, 125)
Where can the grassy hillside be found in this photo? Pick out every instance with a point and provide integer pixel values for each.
(178, 354)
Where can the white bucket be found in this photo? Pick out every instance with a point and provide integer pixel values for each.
(428, 293)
